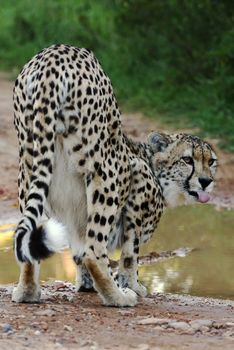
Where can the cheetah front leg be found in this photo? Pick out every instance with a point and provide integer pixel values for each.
(128, 265)
(101, 216)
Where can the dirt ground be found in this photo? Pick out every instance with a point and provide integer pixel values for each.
(66, 320)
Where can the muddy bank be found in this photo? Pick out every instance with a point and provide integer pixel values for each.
(69, 320)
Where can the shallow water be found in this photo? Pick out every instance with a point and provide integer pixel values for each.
(206, 271)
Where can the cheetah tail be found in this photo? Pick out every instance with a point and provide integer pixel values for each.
(48, 238)
(31, 240)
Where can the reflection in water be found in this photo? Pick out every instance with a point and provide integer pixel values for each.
(207, 271)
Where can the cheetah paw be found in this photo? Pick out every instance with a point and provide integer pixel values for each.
(22, 294)
(124, 281)
(139, 289)
(126, 297)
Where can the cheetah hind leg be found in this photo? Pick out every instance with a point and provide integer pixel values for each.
(28, 289)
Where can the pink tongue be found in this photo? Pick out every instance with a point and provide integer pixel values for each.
(203, 196)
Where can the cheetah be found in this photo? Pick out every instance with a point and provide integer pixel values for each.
(86, 185)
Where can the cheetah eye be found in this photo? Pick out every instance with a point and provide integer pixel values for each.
(188, 160)
(211, 161)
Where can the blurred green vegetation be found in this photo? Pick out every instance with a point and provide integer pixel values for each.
(173, 58)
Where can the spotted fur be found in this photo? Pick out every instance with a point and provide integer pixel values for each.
(78, 167)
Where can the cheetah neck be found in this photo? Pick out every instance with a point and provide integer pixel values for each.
(144, 151)
(138, 149)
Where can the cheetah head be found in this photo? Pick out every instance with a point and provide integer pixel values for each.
(185, 166)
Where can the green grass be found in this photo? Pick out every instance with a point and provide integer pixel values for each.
(159, 61)
(189, 107)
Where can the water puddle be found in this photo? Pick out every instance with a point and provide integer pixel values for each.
(204, 268)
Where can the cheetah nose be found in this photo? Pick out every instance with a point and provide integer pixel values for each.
(204, 181)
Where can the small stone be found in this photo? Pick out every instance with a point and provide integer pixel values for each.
(88, 343)
(218, 325)
(229, 334)
(59, 285)
(229, 324)
(60, 342)
(47, 312)
(125, 312)
(19, 316)
(44, 326)
(153, 320)
(204, 329)
(179, 325)
(198, 324)
(143, 347)
(7, 328)
(70, 298)
(68, 328)
(34, 324)
(37, 332)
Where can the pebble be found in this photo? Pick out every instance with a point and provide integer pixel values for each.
(230, 324)
(218, 325)
(68, 328)
(44, 326)
(46, 312)
(7, 328)
(90, 344)
(143, 347)
(20, 316)
(204, 326)
(198, 324)
(154, 320)
(125, 312)
(229, 334)
(70, 298)
(179, 325)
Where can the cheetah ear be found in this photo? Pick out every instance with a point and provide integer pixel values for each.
(158, 142)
